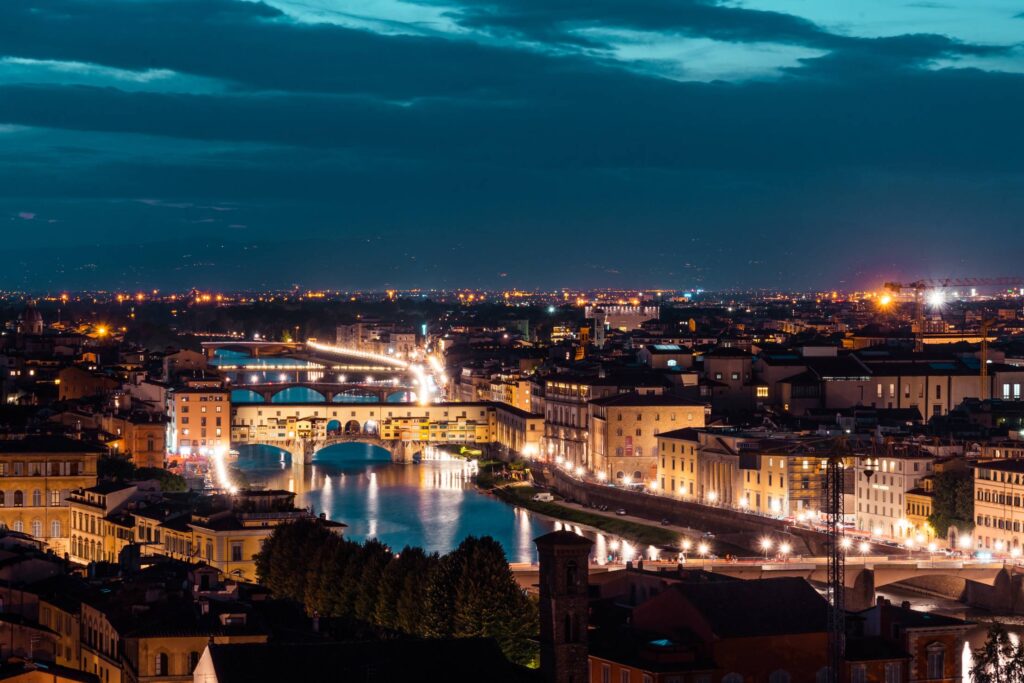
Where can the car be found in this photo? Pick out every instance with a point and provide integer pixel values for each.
(543, 497)
(665, 522)
(621, 512)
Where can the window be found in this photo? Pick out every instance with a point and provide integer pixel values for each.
(37, 528)
(936, 660)
(892, 672)
(55, 498)
(2, 497)
(762, 392)
(19, 499)
(858, 674)
(606, 673)
(160, 665)
(236, 552)
(19, 526)
(37, 498)
(624, 675)
(779, 676)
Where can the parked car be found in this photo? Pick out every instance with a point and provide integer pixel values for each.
(621, 512)
(543, 497)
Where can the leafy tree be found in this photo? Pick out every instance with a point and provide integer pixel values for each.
(999, 660)
(168, 480)
(116, 467)
(953, 503)
(376, 558)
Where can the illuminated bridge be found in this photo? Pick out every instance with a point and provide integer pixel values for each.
(404, 429)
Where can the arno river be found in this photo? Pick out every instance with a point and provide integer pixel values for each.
(433, 505)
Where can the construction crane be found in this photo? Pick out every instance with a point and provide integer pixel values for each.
(833, 451)
(983, 358)
(919, 287)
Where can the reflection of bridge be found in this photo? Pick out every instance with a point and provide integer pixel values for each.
(331, 391)
(982, 584)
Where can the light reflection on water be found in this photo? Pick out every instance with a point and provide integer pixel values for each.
(432, 505)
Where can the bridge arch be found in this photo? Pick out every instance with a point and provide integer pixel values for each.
(246, 396)
(298, 394)
(403, 396)
(333, 426)
(353, 427)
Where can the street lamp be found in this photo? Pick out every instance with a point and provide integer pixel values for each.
(744, 502)
(784, 549)
(702, 550)
(766, 545)
(932, 547)
(712, 496)
(602, 475)
(685, 545)
(846, 544)
(654, 485)
(864, 547)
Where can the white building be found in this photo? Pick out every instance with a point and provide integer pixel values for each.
(882, 485)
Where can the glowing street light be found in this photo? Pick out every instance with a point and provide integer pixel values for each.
(784, 550)
(964, 542)
(766, 545)
(845, 544)
(863, 547)
(602, 476)
(932, 547)
(654, 485)
(712, 496)
(702, 550)
(936, 298)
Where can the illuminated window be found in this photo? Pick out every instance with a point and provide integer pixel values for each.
(762, 392)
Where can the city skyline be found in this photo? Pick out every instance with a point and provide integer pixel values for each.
(487, 144)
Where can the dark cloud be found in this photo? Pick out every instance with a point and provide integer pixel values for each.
(557, 21)
(434, 160)
(254, 46)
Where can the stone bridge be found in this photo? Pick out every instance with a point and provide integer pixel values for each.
(980, 584)
(302, 450)
(329, 390)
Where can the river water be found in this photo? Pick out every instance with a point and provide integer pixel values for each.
(433, 505)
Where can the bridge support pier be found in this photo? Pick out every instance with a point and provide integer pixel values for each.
(861, 595)
(1005, 593)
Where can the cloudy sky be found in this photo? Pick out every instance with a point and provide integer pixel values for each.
(364, 143)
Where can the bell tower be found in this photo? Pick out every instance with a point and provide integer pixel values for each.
(564, 606)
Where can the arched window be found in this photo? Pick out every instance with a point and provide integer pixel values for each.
(619, 475)
(572, 577)
(19, 499)
(55, 528)
(161, 664)
(37, 528)
(779, 676)
(570, 629)
(19, 526)
(2, 499)
(732, 678)
(37, 498)
(936, 660)
(637, 476)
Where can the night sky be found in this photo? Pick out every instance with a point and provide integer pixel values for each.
(499, 143)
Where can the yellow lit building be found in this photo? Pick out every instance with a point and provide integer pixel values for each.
(677, 463)
(624, 430)
(919, 508)
(225, 534)
(98, 534)
(36, 476)
(999, 505)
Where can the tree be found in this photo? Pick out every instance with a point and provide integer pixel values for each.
(999, 660)
(168, 480)
(953, 503)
